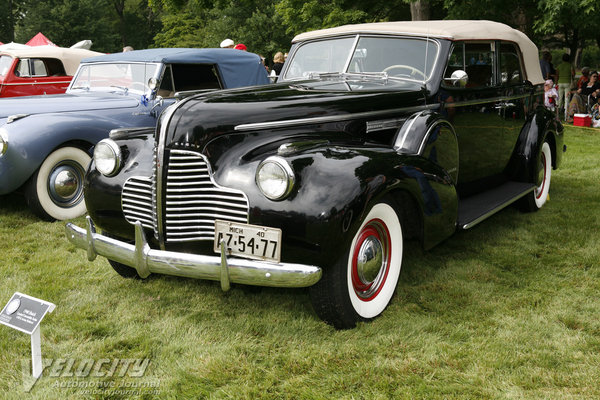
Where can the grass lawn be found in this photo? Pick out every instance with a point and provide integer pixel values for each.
(508, 309)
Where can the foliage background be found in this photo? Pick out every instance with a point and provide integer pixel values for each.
(267, 26)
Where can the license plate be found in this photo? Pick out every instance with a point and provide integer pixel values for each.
(250, 241)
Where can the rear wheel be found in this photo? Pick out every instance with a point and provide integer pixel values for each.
(536, 199)
(55, 191)
(362, 283)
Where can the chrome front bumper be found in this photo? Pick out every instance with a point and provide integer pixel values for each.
(217, 268)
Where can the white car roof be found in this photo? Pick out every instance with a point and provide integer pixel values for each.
(446, 29)
(70, 57)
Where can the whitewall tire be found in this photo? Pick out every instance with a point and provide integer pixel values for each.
(55, 191)
(362, 283)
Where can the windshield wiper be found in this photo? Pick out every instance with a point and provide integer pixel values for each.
(87, 88)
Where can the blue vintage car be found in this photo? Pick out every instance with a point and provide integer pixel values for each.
(46, 142)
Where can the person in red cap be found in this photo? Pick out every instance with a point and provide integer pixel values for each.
(241, 46)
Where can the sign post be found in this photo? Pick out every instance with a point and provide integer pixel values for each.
(24, 313)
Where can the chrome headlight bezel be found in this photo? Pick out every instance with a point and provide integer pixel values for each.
(107, 157)
(275, 178)
(3, 141)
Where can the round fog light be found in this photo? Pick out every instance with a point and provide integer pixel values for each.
(107, 157)
(275, 178)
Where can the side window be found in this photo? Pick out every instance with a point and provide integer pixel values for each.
(511, 71)
(39, 68)
(54, 67)
(166, 89)
(23, 67)
(195, 77)
(476, 59)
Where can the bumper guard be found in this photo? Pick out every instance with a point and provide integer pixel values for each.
(217, 268)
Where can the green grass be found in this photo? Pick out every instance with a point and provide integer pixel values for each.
(508, 309)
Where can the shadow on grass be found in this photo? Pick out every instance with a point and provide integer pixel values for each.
(13, 205)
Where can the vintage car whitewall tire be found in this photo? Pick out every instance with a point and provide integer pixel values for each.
(536, 199)
(55, 191)
(361, 285)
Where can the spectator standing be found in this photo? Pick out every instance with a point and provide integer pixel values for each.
(278, 61)
(127, 48)
(227, 44)
(241, 46)
(545, 65)
(565, 75)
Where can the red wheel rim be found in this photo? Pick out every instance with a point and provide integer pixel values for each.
(540, 192)
(371, 260)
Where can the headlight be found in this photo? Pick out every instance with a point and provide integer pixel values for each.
(107, 156)
(275, 178)
(3, 141)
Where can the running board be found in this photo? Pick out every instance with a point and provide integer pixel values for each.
(474, 209)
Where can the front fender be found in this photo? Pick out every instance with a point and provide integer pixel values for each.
(336, 187)
(33, 138)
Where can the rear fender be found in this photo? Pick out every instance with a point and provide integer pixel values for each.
(540, 127)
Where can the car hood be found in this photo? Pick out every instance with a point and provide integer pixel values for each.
(65, 103)
(199, 119)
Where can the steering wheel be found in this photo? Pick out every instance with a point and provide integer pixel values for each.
(412, 71)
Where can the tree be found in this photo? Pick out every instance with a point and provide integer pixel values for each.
(12, 14)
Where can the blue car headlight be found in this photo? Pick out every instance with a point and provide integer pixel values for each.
(107, 157)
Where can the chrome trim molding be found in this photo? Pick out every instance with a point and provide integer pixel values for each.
(381, 125)
(331, 118)
(426, 136)
(404, 131)
(36, 83)
(15, 117)
(146, 260)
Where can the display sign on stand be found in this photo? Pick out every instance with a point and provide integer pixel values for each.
(24, 313)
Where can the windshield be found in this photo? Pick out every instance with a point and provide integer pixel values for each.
(5, 63)
(125, 77)
(398, 57)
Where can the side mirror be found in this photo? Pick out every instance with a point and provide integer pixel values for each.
(459, 78)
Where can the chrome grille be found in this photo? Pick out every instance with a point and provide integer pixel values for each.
(193, 200)
(136, 200)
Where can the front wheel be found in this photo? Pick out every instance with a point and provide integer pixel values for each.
(362, 283)
(124, 270)
(55, 191)
(536, 199)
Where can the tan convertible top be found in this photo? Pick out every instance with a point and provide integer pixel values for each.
(448, 29)
(69, 57)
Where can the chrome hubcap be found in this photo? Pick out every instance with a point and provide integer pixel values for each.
(65, 184)
(370, 258)
(370, 261)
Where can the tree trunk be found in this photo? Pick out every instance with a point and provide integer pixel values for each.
(419, 10)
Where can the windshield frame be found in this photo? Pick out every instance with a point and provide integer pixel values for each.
(429, 68)
(115, 88)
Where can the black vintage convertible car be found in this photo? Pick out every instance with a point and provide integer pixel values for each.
(374, 133)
